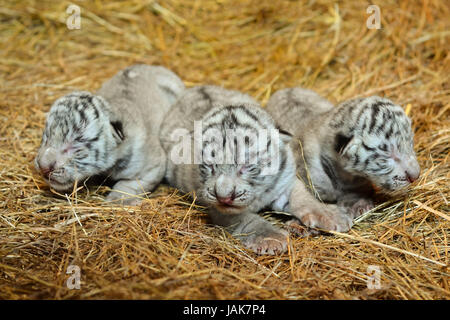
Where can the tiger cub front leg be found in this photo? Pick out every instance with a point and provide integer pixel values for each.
(314, 214)
(356, 204)
(130, 192)
(253, 231)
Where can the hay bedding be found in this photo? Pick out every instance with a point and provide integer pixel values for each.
(165, 249)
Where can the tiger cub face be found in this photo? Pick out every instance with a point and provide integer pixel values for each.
(77, 141)
(377, 143)
(244, 157)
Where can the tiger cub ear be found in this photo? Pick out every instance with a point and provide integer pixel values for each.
(285, 136)
(117, 130)
(345, 143)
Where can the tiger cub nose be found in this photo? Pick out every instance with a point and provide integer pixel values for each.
(412, 170)
(412, 176)
(227, 200)
(46, 170)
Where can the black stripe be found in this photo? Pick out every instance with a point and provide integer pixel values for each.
(380, 128)
(118, 128)
(122, 163)
(83, 118)
(365, 146)
(363, 109)
(285, 206)
(221, 128)
(282, 131)
(250, 114)
(169, 91)
(328, 168)
(341, 141)
(205, 95)
(126, 72)
(356, 160)
(281, 168)
(375, 111)
(388, 133)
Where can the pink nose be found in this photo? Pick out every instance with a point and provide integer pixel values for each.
(47, 170)
(227, 200)
(412, 176)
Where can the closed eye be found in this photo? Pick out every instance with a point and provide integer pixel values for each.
(383, 147)
(80, 153)
(68, 149)
(204, 168)
(252, 170)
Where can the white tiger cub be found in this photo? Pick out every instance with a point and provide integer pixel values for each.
(113, 132)
(223, 146)
(347, 148)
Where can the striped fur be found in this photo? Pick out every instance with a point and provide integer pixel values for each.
(113, 132)
(249, 186)
(347, 148)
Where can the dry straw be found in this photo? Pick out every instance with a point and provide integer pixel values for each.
(166, 249)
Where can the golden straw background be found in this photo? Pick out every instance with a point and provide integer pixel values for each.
(166, 249)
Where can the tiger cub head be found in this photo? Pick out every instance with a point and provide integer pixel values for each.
(377, 143)
(78, 140)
